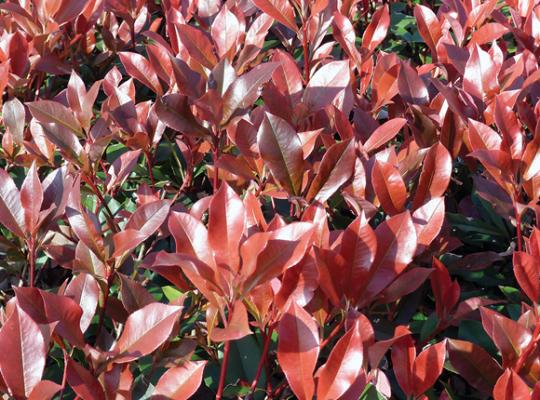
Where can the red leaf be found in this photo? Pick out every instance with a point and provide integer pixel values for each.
(45, 307)
(11, 210)
(389, 187)
(435, 176)
(445, 291)
(488, 33)
(180, 383)
(173, 110)
(384, 133)
(31, 199)
(143, 223)
(191, 237)
(411, 88)
(326, 85)
(298, 350)
(480, 78)
(121, 168)
(527, 274)
(83, 382)
(429, 27)
(281, 149)
(145, 330)
(197, 44)
(428, 366)
(335, 169)
(226, 226)
(84, 290)
(13, 115)
(226, 32)
(403, 355)
(237, 327)
(358, 248)
(23, 353)
(510, 386)
(243, 92)
(343, 367)
(280, 10)
(44, 390)
(428, 220)
(474, 364)
(509, 336)
(134, 295)
(377, 29)
(266, 256)
(396, 245)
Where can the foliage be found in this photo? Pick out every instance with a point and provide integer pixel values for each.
(269, 199)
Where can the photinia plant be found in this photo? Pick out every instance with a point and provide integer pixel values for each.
(269, 199)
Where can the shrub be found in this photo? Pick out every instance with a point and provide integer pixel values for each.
(269, 199)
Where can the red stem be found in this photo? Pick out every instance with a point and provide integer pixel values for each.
(105, 301)
(32, 260)
(225, 361)
(518, 227)
(262, 362)
(215, 183)
(529, 349)
(149, 162)
(332, 334)
(306, 53)
(223, 372)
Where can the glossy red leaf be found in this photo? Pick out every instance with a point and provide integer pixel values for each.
(83, 383)
(44, 390)
(145, 330)
(121, 168)
(237, 327)
(243, 92)
(52, 112)
(13, 115)
(429, 27)
(174, 111)
(377, 29)
(527, 274)
(23, 350)
(84, 290)
(265, 257)
(411, 88)
(133, 295)
(280, 10)
(143, 223)
(11, 210)
(226, 226)
(396, 245)
(31, 199)
(198, 45)
(180, 383)
(509, 336)
(328, 83)
(140, 68)
(358, 247)
(445, 291)
(343, 367)
(428, 220)
(225, 31)
(281, 149)
(428, 367)
(389, 187)
(511, 386)
(480, 78)
(384, 133)
(335, 169)
(298, 350)
(403, 356)
(435, 176)
(474, 364)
